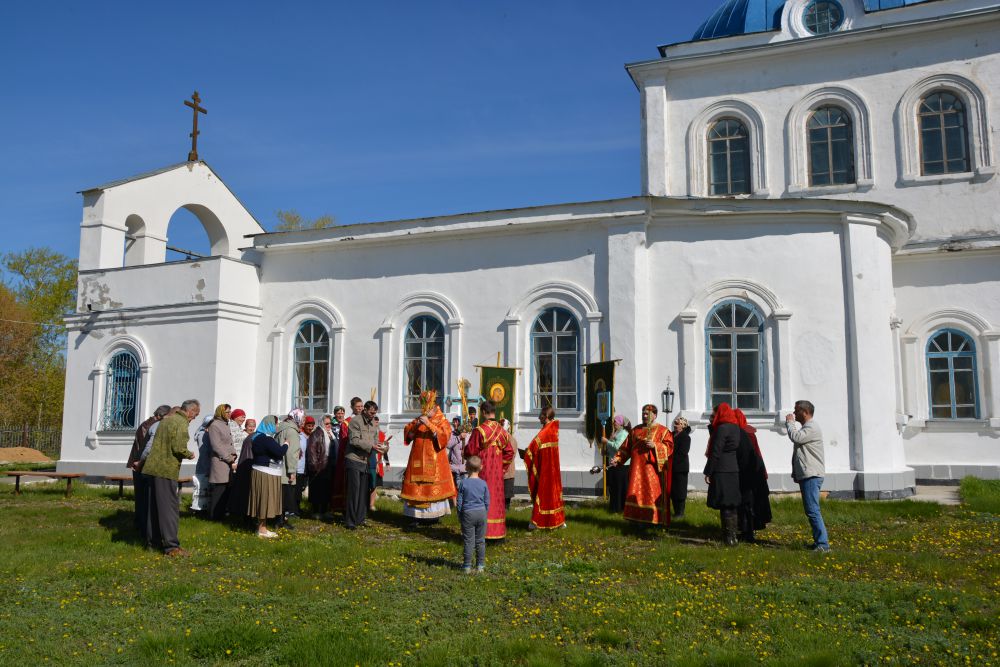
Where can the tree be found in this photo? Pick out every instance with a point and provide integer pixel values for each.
(17, 345)
(291, 221)
(42, 283)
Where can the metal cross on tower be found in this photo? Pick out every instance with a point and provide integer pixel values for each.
(196, 109)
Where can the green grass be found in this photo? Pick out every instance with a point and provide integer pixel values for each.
(981, 495)
(907, 583)
(4, 467)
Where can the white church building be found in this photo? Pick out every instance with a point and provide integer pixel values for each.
(819, 218)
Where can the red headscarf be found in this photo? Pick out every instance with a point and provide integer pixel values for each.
(237, 413)
(724, 414)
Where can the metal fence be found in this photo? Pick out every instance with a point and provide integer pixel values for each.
(45, 440)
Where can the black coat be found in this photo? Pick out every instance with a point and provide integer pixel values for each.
(725, 439)
(753, 483)
(682, 447)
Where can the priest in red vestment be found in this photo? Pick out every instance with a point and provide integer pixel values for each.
(490, 442)
(650, 448)
(427, 482)
(544, 476)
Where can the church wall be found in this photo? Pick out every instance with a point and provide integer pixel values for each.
(180, 362)
(879, 72)
(688, 258)
(960, 291)
(482, 278)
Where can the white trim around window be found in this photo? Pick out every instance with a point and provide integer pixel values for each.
(697, 141)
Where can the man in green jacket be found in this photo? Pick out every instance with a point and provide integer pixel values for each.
(163, 466)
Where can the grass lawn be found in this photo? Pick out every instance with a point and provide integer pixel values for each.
(907, 583)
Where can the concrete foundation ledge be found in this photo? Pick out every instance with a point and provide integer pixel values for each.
(943, 473)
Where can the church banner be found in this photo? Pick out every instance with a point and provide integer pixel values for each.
(497, 383)
(599, 397)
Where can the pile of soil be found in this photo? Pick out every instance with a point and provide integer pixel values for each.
(22, 455)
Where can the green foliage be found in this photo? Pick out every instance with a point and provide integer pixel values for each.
(43, 285)
(902, 586)
(981, 495)
(291, 221)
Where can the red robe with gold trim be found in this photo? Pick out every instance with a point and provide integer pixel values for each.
(490, 442)
(545, 479)
(648, 496)
(428, 474)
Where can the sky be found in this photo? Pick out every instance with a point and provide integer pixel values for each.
(363, 111)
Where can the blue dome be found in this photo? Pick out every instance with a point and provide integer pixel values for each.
(741, 17)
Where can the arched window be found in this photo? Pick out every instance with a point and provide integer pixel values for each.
(310, 388)
(121, 393)
(728, 158)
(944, 142)
(555, 344)
(823, 16)
(951, 376)
(423, 360)
(831, 147)
(734, 337)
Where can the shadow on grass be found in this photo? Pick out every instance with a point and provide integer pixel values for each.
(435, 531)
(121, 524)
(433, 561)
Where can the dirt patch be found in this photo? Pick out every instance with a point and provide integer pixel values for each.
(22, 455)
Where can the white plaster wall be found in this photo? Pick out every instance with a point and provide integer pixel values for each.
(879, 70)
(958, 290)
(483, 277)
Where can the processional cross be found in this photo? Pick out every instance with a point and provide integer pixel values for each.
(196, 109)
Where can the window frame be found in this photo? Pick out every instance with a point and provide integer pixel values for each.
(941, 128)
(733, 332)
(110, 392)
(828, 143)
(533, 337)
(951, 356)
(411, 402)
(747, 158)
(812, 5)
(307, 402)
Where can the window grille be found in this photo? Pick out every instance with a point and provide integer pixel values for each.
(951, 372)
(121, 393)
(944, 142)
(831, 147)
(822, 17)
(728, 158)
(423, 360)
(555, 343)
(312, 368)
(734, 331)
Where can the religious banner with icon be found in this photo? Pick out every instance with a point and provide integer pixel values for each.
(599, 399)
(496, 383)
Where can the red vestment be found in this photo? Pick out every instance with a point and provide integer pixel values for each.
(428, 474)
(545, 479)
(648, 496)
(490, 442)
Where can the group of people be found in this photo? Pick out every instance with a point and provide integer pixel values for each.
(260, 472)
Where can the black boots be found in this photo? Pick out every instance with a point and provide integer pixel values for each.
(729, 521)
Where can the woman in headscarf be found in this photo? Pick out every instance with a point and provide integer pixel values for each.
(239, 493)
(223, 463)
(321, 460)
(722, 472)
(427, 481)
(617, 475)
(755, 508)
(681, 466)
(202, 468)
(264, 501)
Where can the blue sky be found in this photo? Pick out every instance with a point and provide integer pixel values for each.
(364, 111)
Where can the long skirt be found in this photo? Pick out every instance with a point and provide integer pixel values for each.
(265, 496)
(724, 491)
(617, 488)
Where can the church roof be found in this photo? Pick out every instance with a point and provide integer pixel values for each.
(137, 177)
(742, 17)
